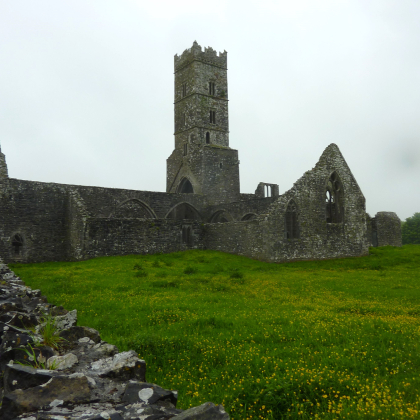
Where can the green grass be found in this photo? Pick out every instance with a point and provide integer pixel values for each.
(318, 339)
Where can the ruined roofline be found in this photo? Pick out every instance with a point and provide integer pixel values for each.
(195, 53)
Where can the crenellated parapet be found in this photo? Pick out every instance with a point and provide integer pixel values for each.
(195, 53)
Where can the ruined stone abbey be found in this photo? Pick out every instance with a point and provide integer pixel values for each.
(323, 215)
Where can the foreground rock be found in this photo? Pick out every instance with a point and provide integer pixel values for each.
(86, 378)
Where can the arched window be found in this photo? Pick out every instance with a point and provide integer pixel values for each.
(207, 138)
(132, 209)
(185, 187)
(183, 211)
(17, 244)
(221, 216)
(249, 216)
(334, 200)
(292, 221)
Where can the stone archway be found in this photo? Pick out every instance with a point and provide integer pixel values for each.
(133, 209)
(221, 216)
(183, 211)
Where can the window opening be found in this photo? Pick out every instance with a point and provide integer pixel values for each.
(208, 137)
(187, 237)
(212, 117)
(221, 165)
(183, 119)
(185, 149)
(212, 89)
(267, 191)
(185, 187)
(184, 90)
(334, 200)
(17, 244)
(292, 221)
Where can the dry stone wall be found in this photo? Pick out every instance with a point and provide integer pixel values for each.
(85, 378)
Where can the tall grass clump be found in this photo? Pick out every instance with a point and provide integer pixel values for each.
(335, 339)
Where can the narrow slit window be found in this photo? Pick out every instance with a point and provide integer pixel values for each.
(184, 90)
(292, 221)
(212, 89)
(207, 138)
(185, 149)
(212, 117)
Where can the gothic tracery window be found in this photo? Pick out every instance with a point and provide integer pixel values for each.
(334, 200)
(292, 221)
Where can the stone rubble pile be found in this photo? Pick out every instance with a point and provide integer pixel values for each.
(86, 378)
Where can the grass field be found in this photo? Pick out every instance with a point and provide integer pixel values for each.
(319, 339)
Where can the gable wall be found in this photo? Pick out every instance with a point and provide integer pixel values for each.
(264, 238)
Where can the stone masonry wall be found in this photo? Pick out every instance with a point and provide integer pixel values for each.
(52, 218)
(388, 229)
(264, 238)
(37, 212)
(83, 377)
(139, 236)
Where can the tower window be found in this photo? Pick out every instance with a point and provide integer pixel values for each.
(212, 117)
(183, 119)
(208, 137)
(212, 89)
(185, 149)
(184, 90)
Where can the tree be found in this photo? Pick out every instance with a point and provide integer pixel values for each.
(410, 230)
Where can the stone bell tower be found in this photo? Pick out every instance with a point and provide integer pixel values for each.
(202, 161)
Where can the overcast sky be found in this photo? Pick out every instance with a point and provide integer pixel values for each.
(86, 89)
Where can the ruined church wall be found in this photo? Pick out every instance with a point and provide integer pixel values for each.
(240, 238)
(388, 229)
(37, 211)
(76, 217)
(317, 238)
(52, 218)
(104, 202)
(106, 237)
(239, 209)
(265, 238)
